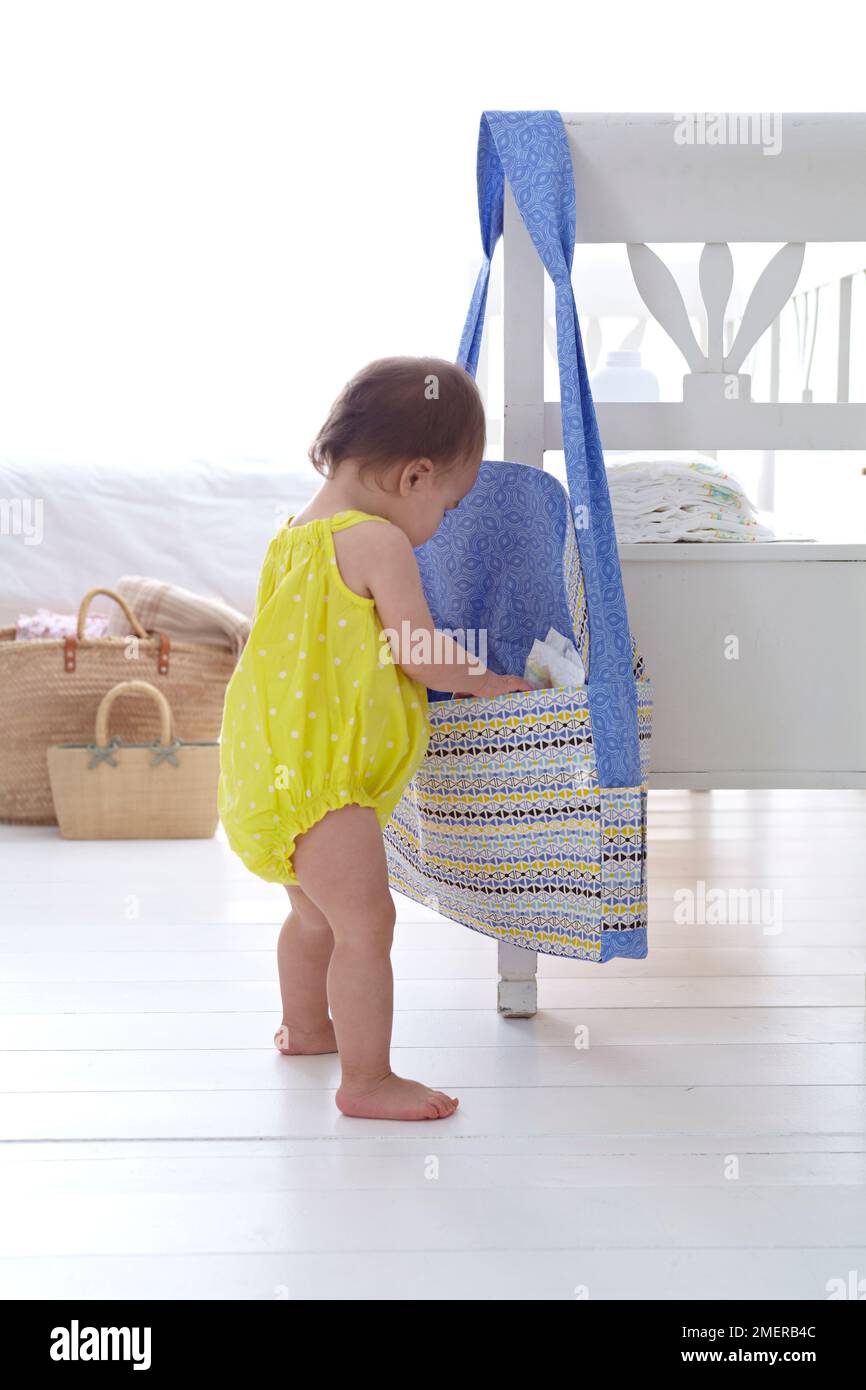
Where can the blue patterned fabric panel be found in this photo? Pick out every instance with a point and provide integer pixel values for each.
(497, 564)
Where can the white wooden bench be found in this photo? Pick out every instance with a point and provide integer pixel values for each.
(790, 711)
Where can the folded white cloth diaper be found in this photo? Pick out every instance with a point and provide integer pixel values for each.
(688, 497)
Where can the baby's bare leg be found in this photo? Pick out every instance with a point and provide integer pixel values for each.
(340, 865)
(303, 954)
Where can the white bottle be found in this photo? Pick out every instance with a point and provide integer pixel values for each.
(622, 378)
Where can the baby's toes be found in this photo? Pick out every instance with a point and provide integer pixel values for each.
(444, 1104)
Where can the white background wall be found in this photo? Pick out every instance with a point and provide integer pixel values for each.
(212, 213)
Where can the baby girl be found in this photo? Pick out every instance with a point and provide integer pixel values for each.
(326, 716)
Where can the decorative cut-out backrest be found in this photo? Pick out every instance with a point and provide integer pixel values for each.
(718, 370)
(661, 179)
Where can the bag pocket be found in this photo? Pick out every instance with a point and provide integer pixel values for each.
(522, 733)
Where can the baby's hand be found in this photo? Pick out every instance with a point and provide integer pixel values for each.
(488, 685)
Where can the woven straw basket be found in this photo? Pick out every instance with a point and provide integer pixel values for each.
(50, 691)
(113, 790)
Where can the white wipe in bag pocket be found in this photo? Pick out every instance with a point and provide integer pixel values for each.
(555, 661)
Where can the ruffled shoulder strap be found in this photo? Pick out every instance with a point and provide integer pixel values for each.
(343, 520)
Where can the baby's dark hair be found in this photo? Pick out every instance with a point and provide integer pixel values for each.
(400, 408)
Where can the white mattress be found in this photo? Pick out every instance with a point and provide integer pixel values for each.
(202, 525)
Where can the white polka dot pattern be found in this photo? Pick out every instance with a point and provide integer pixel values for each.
(308, 741)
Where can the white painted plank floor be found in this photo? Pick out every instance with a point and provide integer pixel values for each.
(709, 1142)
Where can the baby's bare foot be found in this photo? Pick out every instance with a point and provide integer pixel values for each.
(395, 1098)
(293, 1042)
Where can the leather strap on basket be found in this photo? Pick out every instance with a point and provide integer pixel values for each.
(70, 645)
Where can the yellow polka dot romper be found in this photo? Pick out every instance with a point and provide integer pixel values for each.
(317, 715)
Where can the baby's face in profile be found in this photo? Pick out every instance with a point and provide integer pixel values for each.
(433, 494)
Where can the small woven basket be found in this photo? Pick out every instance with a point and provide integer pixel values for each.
(113, 790)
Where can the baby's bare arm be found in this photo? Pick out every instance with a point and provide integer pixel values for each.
(428, 655)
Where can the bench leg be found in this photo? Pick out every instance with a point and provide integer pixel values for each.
(517, 995)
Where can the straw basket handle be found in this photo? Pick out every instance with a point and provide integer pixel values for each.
(70, 644)
(121, 602)
(132, 688)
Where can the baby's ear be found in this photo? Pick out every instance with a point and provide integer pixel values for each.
(417, 474)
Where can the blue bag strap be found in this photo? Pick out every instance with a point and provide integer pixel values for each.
(530, 149)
